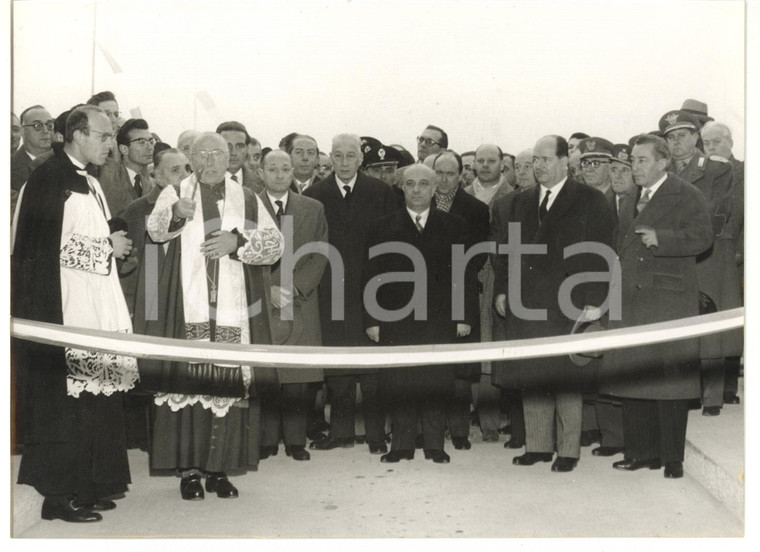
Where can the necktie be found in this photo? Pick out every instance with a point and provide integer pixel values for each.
(348, 192)
(643, 201)
(234, 177)
(542, 210)
(138, 185)
(417, 223)
(280, 210)
(680, 165)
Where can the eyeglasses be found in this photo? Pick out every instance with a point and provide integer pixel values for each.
(38, 125)
(427, 141)
(142, 142)
(216, 155)
(104, 136)
(593, 163)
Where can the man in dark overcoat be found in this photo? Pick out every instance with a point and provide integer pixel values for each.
(661, 234)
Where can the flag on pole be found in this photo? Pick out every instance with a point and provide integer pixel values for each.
(205, 99)
(115, 67)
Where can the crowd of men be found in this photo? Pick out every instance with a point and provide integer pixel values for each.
(220, 239)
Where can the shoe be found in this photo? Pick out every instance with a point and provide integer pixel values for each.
(514, 444)
(396, 455)
(590, 437)
(731, 398)
(330, 443)
(378, 447)
(190, 488)
(633, 464)
(267, 451)
(437, 456)
(418, 442)
(315, 435)
(711, 411)
(606, 451)
(297, 452)
(530, 458)
(98, 506)
(564, 464)
(506, 430)
(490, 436)
(219, 484)
(673, 470)
(67, 510)
(461, 443)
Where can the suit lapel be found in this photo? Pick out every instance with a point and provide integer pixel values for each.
(661, 203)
(530, 222)
(564, 200)
(293, 210)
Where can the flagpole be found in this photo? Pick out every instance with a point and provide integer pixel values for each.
(94, 29)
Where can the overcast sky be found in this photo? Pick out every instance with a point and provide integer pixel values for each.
(497, 71)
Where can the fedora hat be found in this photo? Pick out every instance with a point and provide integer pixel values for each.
(581, 359)
(286, 332)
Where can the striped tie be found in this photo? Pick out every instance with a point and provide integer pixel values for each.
(643, 200)
(417, 223)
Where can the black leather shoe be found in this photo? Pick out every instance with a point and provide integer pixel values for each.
(331, 443)
(297, 452)
(99, 506)
(731, 398)
(267, 451)
(606, 451)
(461, 443)
(315, 435)
(514, 444)
(190, 488)
(396, 455)
(590, 437)
(219, 484)
(530, 458)
(437, 456)
(66, 510)
(378, 447)
(711, 411)
(673, 470)
(633, 464)
(564, 464)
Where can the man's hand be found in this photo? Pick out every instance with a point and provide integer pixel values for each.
(500, 304)
(373, 333)
(121, 244)
(648, 236)
(281, 297)
(184, 208)
(223, 243)
(590, 314)
(463, 330)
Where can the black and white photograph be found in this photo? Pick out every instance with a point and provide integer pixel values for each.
(380, 272)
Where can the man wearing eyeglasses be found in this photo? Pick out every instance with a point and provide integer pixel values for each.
(129, 179)
(37, 132)
(432, 140)
(596, 154)
(64, 272)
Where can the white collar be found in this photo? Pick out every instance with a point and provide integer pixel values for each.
(656, 186)
(238, 175)
(77, 164)
(283, 199)
(341, 184)
(423, 216)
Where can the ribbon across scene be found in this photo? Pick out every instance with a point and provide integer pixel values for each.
(283, 356)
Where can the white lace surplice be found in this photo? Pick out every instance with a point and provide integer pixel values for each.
(91, 296)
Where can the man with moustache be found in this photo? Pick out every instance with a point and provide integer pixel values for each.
(37, 132)
(352, 201)
(237, 139)
(217, 290)
(556, 214)
(417, 393)
(661, 234)
(64, 272)
(488, 187)
(716, 268)
(432, 140)
(286, 402)
(449, 197)
(304, 154)
(125, 181)
(621, 177)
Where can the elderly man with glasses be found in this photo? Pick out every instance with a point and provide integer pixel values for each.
(596, 154)
(127, 180)
(37, 134)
